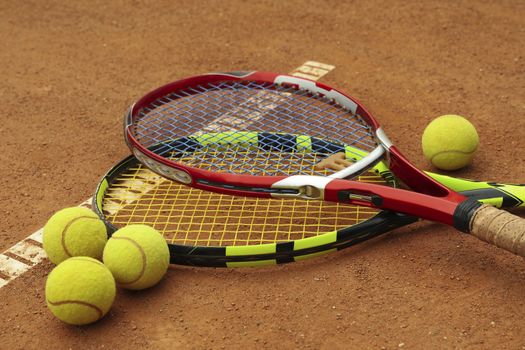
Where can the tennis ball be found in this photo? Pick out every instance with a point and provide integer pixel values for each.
(74, 231)
(449, 142)
(80, 290)
(137, 255)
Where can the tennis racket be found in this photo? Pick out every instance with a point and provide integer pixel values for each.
(261, 135)
(209, 229)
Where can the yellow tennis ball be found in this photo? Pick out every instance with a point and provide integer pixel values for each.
(138, 256)
(80, 290)
(449, 142)
(74, 231)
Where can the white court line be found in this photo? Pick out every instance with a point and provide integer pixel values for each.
(27, 253)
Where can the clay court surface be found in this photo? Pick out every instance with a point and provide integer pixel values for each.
(70, 70)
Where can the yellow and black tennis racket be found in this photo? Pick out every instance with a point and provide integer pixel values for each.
(209, 229)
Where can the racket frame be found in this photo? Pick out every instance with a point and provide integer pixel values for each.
(501, 195)
(430, 200)
(267, 253)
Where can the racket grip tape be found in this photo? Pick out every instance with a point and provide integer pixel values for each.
(500, 228)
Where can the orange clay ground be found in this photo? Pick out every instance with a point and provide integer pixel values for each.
(69, 70)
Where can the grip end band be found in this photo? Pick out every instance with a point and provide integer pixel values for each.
(463, 214)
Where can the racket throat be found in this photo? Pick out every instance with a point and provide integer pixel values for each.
(302, 186)
(313, 188)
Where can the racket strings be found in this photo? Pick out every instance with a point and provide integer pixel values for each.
(197, 218)
(242, 160)
(246, 107)
(247, 113)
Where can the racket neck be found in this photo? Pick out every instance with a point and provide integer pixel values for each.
(416, 179)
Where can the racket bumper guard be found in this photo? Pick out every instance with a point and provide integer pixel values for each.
(171, 173)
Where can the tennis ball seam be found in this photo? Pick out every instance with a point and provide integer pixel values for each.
(64, 232)
(86, 258)
(451, 152)
(79, 302)
(144, 259)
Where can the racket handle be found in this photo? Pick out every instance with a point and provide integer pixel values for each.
(500, 228)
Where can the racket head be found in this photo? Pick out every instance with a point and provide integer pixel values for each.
(230, 106)
(131, 193)
(208, 229)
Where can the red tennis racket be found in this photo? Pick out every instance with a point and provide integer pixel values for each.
(263, 135)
